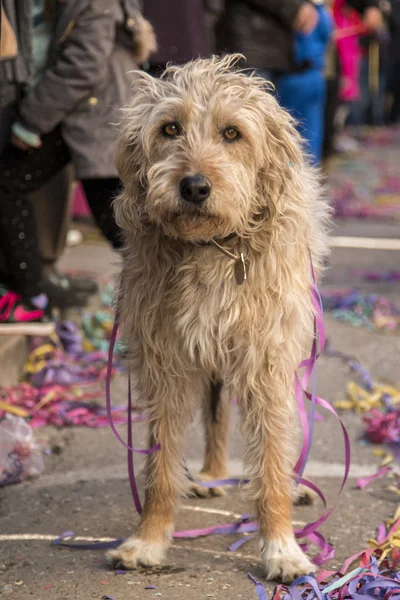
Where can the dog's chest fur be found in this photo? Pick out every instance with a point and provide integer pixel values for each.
(204, 304)
(186, 308)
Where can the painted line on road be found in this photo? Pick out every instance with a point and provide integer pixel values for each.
(211, 511)
(226, 513)
(315, 468)
(366, 243)
(34, 537)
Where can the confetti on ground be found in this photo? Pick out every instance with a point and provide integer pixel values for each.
(64, 375)
(59, 405)
(376, 575)
(367, 184)
(372, 311)
(379, 402)
(367, 275)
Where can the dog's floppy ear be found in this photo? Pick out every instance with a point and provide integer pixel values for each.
(126, 206)
(130, 157)
(282, 153)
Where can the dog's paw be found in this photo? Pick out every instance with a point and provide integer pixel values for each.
(304, 496)
(203, 492)
(134, 552)
(194, 490)
(284, 560)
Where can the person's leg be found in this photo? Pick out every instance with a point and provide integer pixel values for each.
(303, 95)
(359, 109)
(100, 194)
(22, 173)
(313, 116)
(331, 105)
(53, 217)
(394, 86)
(7, 117)
(378, 99)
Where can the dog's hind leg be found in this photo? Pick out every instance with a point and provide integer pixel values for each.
(303, 496)
(216, 413)
(270, 437)
(169, 417)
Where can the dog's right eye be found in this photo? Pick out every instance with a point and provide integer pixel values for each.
(171, 130)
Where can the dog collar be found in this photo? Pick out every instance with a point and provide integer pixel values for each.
(240, 269)
(218, 240)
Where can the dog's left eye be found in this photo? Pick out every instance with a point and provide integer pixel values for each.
(231, 134)
(171, 129)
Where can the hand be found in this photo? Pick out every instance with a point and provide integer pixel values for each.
(306, 19)
(372, 18)
(18, 143)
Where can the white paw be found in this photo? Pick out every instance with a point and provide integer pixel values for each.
(284, 560)
(304, 496)
(134, 552)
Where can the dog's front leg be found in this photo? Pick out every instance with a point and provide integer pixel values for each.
(271, 441)
(169, 418)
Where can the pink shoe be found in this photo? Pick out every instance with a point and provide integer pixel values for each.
(18, 318)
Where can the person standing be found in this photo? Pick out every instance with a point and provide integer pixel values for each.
(70, 78)
(265, 31)
(352, 17)
(303, 92)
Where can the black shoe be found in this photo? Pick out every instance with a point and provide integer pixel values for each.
(78, 284)
(60, 296)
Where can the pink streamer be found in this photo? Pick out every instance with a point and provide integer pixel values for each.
(362, 482)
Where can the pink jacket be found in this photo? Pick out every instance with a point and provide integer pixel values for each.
(348, 49)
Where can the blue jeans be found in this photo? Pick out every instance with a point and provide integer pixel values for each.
(303, 94)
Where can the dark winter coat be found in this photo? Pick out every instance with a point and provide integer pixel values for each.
(87, 81)
(261, 30)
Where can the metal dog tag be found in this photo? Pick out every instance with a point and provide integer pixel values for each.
(240, 270)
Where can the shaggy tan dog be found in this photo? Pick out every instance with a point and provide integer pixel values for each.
(220, 213)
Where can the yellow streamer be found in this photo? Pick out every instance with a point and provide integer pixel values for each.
(14, 410)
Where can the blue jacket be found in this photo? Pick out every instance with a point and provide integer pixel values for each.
(310, 50)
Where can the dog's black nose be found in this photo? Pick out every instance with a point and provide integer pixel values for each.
(195, 189)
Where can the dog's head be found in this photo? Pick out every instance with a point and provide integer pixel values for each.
(204, 151)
